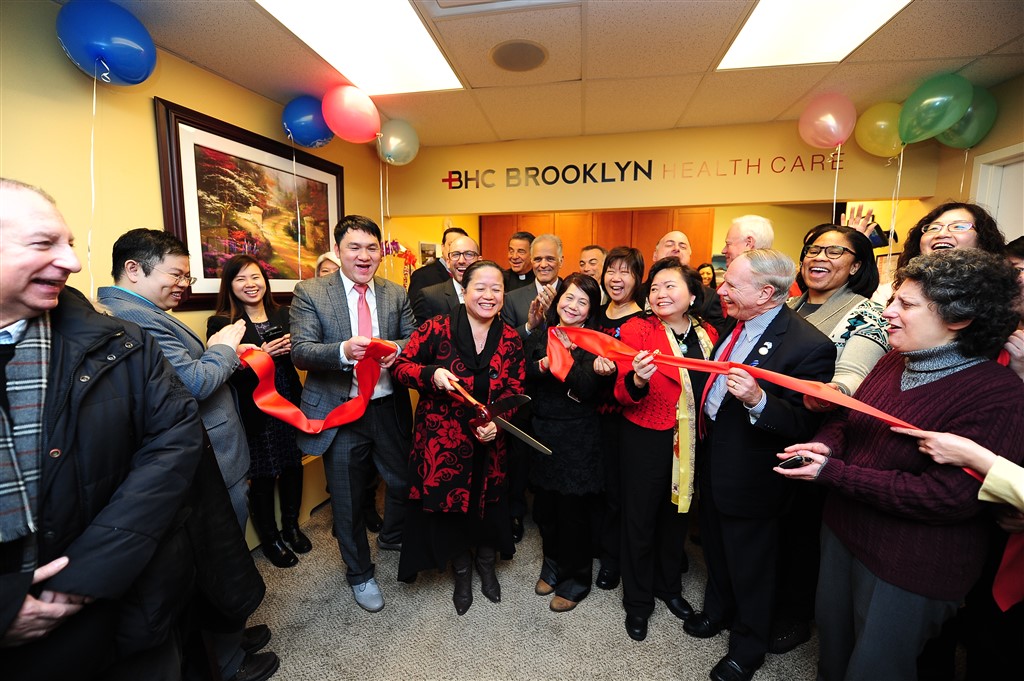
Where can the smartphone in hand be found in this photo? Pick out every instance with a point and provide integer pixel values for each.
(795, 462)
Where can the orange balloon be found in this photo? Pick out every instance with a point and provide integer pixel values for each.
(351, 114)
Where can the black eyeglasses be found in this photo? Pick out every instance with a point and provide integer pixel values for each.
(831, 252)
(468, 255)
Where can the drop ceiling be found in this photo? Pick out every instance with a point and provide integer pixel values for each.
(612, 66)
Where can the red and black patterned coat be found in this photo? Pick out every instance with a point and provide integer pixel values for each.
(443, 441)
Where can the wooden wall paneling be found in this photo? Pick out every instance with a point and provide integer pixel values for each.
(648, 228)
(698, 224)
(537, 223)
(613, 228)
(495, 231)
(576, 231)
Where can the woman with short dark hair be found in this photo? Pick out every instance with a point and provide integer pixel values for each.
(905, 538)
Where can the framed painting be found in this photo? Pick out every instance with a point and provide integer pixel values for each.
(886, 267)
(228, 191)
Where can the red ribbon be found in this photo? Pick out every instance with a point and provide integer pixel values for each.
(270, 402)
(1008, 588)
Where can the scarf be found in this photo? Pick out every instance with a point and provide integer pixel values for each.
(21, 431)
(479, 365)
(684, 442)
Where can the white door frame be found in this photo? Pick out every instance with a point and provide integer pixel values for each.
(987, 177)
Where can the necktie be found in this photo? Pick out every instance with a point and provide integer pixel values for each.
(365, 327)
(724, 358)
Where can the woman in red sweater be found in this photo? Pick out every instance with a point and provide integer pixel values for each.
(904, 537)
(657, 442)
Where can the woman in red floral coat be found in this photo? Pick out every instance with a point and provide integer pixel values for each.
(457, 491)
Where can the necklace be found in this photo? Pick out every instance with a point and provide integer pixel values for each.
(683, 347)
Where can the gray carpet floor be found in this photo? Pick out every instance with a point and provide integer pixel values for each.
(321, 634)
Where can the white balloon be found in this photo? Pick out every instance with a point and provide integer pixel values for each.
(398, 143)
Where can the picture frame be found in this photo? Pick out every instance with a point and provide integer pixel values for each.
(886, 264)
(227, 190)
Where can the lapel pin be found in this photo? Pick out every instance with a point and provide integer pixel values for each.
(763, 350)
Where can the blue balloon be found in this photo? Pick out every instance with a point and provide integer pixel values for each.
(106, 41)
(304, 123)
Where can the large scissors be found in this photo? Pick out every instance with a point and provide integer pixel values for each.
(494, 411)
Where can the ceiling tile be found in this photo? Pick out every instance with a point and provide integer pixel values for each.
(553, 110)
(440, 118)
(635, 104)
(469, 39)
(993, 69)
(632, 38)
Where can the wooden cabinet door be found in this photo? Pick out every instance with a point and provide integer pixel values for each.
(495, 231)
(698, 224)
(613, 228)
(537, 223)
(576, 231)
(648, 228)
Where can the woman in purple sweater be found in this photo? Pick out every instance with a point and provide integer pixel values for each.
(904, 537)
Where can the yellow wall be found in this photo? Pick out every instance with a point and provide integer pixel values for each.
(46, 106)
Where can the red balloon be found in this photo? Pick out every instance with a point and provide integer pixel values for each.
(351, 114)
(828, 121)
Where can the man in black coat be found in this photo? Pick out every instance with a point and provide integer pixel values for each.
(520, 266)
(676, 244)
(446, 297)
(747, 422)
(435, 272)
(86, 508)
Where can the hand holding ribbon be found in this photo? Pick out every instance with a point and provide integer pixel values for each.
(270, 402)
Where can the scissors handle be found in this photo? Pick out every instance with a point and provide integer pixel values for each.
(482, 415)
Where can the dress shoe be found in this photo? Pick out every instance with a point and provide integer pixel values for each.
(462, 568)
(255, 638)
(257, 667)
(680, 607)
(729, 669)
(294, 537)
(489, 585)
(559, 604)
(789, 634)
(388, 545)
(636, 627)
(278, 553)
(368, 595)
(373, 520)
(543, 588)
(517, 529)
(701, 626)
(607, 579)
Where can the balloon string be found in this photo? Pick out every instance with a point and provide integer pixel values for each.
(298, 211)
(92, 183)
(895, 204)
(838, 158)
(105, 76)
(963, 174)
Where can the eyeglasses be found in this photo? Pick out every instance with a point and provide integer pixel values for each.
(179, 279)
(831, 252)
(468, 255)
(952, 227)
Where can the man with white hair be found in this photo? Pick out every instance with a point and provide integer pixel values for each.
(747, 233)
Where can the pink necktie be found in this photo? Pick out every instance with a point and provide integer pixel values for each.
(365, 320)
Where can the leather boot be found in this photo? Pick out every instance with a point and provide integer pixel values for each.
(485, 557)
(462, 568)
(289, 486)
(261, 502)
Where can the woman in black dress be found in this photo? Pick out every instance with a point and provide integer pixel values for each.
(245, 294)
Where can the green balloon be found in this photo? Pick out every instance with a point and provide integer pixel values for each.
(934, 107)
(972, 128)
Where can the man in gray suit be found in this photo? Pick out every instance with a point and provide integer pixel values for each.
(525, 307)
(150, 275)
(446, 297)
(151, 272)
(333, 319)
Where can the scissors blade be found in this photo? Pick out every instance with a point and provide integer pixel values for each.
(512, 430)
(507, 404)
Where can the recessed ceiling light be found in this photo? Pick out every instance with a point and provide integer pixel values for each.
(786, 32)
(380, 46)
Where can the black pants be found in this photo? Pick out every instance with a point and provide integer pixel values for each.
(564, 523)
(608, 511)
(653, 531)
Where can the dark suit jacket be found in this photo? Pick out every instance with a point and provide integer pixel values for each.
(513, 282)
(320, 324)
(516, 309)
(434, 300)
(740, 456)
(428, 275)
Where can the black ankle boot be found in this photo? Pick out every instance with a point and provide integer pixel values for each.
(261, 503)
(489, 586)
(290, 487)
(462, 568)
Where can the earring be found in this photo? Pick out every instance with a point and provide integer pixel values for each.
(692, 300)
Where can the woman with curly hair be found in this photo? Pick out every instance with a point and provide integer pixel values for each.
(905, 538)
(458, 498)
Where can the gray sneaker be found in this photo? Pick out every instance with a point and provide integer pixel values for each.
(368, 595)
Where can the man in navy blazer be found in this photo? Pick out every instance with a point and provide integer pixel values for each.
(446, 297)
(327, 343)
(438, 271)
(747, 423)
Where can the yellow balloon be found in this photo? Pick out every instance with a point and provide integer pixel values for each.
(877, 131)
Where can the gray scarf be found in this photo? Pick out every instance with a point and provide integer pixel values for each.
(21, 435)
(924, 366)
